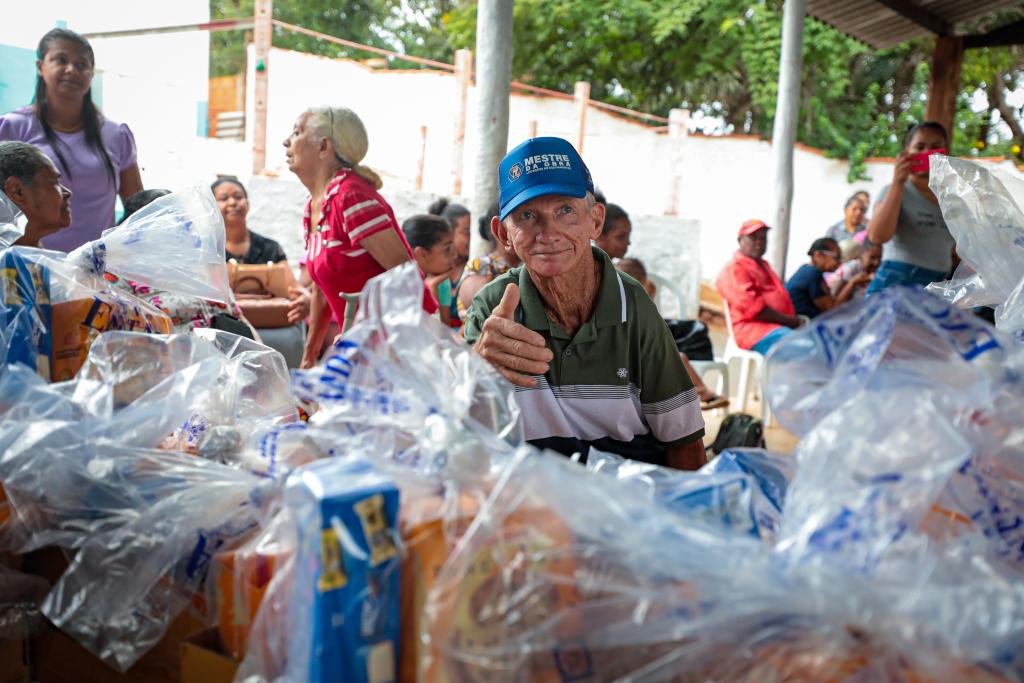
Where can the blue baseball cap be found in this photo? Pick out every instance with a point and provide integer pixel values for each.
(538, 167)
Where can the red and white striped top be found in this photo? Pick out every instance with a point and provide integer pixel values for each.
(351, 211)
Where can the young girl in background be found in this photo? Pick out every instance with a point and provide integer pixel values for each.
(433, 245)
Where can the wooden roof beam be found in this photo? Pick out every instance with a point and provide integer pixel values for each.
(919, 15)
(1011, 34)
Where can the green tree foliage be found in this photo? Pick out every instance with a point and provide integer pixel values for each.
(361, 21)
(716, 57)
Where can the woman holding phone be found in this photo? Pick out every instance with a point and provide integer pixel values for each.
(907, 219)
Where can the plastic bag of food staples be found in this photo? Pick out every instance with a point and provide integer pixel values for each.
(335, 599)
(145, 522)
(250, 388)
(984, 211)
(897, 339)
(742, 489)
(65, 308)
(397, 361)
(909, 410)
(9, 213)
(440, 497)
(588, 579)
(573, 575)
(175, 243)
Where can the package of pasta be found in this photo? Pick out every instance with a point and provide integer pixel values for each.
(345, 602)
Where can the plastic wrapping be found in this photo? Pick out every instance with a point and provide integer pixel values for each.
(81, 468)
(984, 211)
(896, 339)
(742, 489)
(912, 446)
(176, 243)
(399, 392)
(566, 575)
(397, 361)
(9, 213)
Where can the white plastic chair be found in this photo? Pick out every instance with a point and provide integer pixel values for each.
(351, 306)
(750, 361)
(663, 284)
(703, 367)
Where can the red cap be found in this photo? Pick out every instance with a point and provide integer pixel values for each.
(752, 226)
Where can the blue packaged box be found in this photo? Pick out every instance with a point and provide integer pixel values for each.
(26, 314)
(344, 616)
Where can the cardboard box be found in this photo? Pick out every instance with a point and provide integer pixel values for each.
(14, 659)
(203, 659)
(59, 659)
(242, 579)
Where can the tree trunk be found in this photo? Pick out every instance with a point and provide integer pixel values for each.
(997, 101)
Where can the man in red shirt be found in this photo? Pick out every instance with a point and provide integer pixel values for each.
(759, 305)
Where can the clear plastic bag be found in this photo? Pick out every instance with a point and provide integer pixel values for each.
(571, 575)
(911, 444)
(897, 339)
(401, 393)
(9, 213)
(742, 489)
(984, 211)
(398, 361)
(175, 243)
(81, 469)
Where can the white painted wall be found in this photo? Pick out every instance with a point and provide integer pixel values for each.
(725, 180)
(153, 83)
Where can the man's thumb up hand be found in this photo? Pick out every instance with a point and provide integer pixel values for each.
(517, 352)
(506, 308)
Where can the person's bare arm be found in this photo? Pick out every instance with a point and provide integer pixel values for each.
(690, 456)
(386, 248)
(471, 284)
(846, 290)
(319, 320)
(514, 350)
(770, 315)
(887, 212)
(131, 182)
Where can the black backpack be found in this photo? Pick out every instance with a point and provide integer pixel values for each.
(739, 431)
(691, 338)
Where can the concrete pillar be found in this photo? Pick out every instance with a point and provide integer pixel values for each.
(493, 85)
(533, 129)
(463, 77)
(678, 127)
(262, 31)
(787, 113)
(582, 96)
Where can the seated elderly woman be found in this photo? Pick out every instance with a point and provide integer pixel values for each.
(594, 363)
(32, 183)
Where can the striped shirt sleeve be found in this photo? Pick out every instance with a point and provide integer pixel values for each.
(363, 215)
(668, 398)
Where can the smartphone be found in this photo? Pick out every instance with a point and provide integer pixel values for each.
(919, 161)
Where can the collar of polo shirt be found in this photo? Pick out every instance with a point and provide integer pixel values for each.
(610, 309)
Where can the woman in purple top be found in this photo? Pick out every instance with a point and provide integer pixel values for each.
(96, 157)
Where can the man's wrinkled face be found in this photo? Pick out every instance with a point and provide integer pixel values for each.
(551, 234)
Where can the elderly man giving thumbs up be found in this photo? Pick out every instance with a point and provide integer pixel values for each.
(593, 362)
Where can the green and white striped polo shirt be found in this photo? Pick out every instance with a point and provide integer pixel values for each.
(620, 376)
